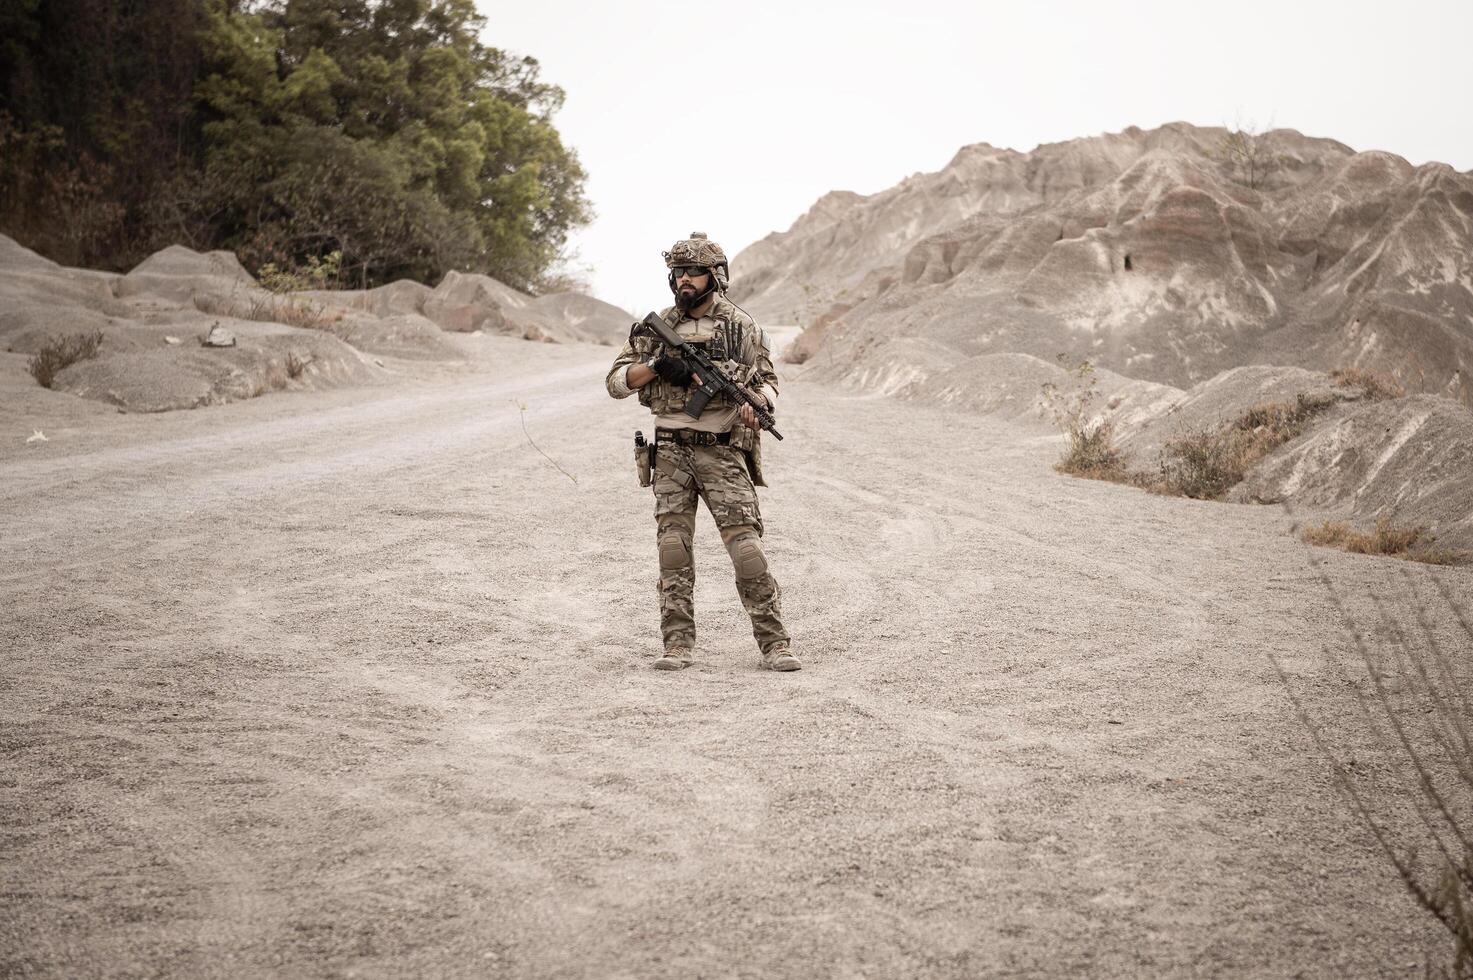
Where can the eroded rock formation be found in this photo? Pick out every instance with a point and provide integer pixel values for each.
(153, 320)
(1153, 253)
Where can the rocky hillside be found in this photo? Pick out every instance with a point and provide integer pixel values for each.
(184, 329)
(1166, 255)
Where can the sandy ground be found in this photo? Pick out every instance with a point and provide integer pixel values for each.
(355, 683)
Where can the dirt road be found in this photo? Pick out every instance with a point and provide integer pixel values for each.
(355, 684)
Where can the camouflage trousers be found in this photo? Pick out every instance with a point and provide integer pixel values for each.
(718, 475)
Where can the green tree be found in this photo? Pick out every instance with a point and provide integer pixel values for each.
(388, 132)
(284, 129)
(96, 114)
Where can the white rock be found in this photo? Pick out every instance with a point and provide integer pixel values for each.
(219, 337)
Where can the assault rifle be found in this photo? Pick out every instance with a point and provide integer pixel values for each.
(713, 380)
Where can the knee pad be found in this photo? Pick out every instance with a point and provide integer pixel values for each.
(747, 557)
(674, 549)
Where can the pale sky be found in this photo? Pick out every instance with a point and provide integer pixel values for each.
(733, 118)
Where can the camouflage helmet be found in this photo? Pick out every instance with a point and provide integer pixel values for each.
(700, 250)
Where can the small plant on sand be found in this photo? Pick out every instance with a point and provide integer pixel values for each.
(296, 364)
(1375, 387)
(1392, 540)
(61, 352)
(1206, 463)
(1091, 450)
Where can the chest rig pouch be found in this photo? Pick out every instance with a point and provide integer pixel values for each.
(724, 347)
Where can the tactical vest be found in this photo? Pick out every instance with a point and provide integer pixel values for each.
(727, 347)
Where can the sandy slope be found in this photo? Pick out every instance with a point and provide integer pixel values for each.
(354, 683)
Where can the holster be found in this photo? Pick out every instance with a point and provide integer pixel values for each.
(644, 459)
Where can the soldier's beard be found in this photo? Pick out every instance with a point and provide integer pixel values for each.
(690, 299)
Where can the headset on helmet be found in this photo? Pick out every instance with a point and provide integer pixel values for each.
(701, 251)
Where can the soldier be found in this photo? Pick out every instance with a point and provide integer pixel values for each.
(717, 457)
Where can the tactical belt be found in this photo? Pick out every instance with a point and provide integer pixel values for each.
(690, 437)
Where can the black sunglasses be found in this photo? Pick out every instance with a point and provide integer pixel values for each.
(689, 271)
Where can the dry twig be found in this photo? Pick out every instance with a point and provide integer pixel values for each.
(523, 409)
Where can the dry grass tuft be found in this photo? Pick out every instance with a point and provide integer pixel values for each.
(1207, 463)
(277, 304)
(1389, 539)
(270, 308)
(1204, 464)
(294, 312)
(62, 352)
(1375, 387)
(296, 364)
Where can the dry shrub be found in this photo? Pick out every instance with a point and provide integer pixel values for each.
(1091, 452)
(292, 311)
(1207, 463)
(1375, 387)
(1417, 712)
(62, 352)
(276, 304)
(296, 364)
(1389, 539)
(276, 375)
(213, 305)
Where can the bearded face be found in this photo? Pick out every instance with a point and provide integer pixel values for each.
(692, 286)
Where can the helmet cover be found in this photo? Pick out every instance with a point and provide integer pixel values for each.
(699, 250)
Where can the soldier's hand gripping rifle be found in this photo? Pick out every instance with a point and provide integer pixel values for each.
(713, 380)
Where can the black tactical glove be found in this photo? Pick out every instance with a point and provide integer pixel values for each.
(672, 370)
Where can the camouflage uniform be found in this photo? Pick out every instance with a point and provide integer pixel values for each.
(723, 475)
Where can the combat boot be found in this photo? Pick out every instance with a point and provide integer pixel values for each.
(779, 657)
(675, 658)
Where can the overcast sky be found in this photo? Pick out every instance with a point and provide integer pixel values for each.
(733, 118)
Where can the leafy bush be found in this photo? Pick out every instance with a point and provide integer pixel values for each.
(62, 352)
(316, 273)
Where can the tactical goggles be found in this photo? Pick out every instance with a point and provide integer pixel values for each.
(690, 271)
